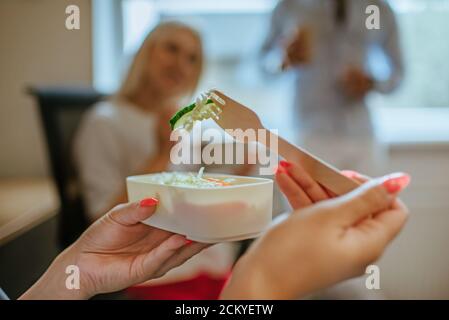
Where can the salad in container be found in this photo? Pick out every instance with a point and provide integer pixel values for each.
(207, 208)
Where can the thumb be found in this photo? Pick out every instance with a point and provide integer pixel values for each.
(129, 214)
(372, 197)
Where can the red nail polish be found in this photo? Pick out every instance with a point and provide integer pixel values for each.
(396, 182)
(148, 202)
(188, 242)
(285, 164)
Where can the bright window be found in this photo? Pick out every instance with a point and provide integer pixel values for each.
(424, 30)
(231, 53)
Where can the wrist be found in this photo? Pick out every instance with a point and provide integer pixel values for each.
(259, 277)
(251, 281)
(60, 281)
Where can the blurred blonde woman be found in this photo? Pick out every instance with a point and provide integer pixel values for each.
(129, 134)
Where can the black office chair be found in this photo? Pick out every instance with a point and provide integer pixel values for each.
(61, 110)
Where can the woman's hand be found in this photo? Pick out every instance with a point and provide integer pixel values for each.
(298, 49)
(356, 84)
(327, 243)
(299, 187)
(117, 251)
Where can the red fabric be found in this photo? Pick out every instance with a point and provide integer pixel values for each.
(202, 287)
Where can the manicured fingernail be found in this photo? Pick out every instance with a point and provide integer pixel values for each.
(285, 164)
(148, 202)
(396, 182)
(188, 242)
(350, 174)
(279, 169)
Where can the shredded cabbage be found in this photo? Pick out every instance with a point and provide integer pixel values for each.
(189, 179)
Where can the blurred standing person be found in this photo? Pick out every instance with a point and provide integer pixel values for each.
(328, 47)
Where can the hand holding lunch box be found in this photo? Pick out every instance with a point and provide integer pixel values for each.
(241, 207)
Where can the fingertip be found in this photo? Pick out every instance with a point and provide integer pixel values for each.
(396, 182)
(285, 164)
(129, 213)
(147, 207)
(148, 202)
(282, 178)
(175, 242)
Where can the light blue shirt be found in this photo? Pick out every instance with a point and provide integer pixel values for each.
(322, 107)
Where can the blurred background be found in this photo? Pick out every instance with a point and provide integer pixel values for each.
(38, 55)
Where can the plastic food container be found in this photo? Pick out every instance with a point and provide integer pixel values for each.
(238, 211)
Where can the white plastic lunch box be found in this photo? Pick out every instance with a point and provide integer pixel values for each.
(210, 215)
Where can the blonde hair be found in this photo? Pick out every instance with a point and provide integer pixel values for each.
(137, 69)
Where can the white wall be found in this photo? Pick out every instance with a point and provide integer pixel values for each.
(36, 49)
(416, 265)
